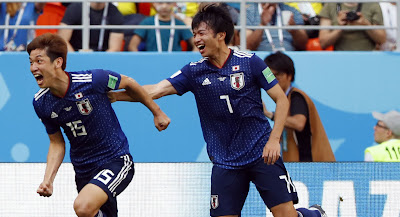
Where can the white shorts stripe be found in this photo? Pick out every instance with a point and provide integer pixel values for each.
(122, 174)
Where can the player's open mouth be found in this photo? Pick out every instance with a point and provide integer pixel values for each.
(201, 47)
(39, 78)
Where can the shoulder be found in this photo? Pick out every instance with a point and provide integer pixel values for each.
(199, 63)
(40, 94)
(75, 6)
(148, 21)
(179, 22)
(242, 54)
(81, 76)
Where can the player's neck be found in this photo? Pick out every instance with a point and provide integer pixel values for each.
(220, 57)
(60, 84)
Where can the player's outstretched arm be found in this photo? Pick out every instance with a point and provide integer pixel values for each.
(272, 149)
(163, 88)
(54, 160)
(137, 93)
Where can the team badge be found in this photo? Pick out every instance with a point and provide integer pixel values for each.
(214, 201)
(237, 81)
(84, 107)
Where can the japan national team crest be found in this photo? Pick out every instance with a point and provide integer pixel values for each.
(237, 81)
(84, 107)
(214, 201)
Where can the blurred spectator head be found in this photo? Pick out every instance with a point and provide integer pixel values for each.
(388, 126)
(164, 9)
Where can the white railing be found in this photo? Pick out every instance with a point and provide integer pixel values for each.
(85, 27)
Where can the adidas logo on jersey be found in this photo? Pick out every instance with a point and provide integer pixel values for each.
(54, 115)
(206, 82)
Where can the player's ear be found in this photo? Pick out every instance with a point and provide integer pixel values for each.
(221, 35)
(59, 62)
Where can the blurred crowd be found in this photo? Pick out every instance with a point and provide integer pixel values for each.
(161, 39)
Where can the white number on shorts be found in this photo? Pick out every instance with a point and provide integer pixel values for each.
(288, 182)
(228, 102)
(104, 176)
(77, 130)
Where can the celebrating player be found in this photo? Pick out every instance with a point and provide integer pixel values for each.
(78, 102)
(240, 142)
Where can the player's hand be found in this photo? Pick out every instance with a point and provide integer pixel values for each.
(161, 121)
(45, 189)
(112, 96)
(271, 152)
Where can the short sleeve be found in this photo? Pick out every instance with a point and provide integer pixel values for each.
(298, 105)
(180, 80)
(73, 14)
(142, 32)
(115, 18)
(50, 126)
(263, 74)
(105, 80)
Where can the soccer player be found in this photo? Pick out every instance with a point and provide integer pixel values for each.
(78, 103)
(240, 142)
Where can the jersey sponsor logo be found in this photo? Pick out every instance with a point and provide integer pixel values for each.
(269, 76)
(206, 82)
(112, 81)
(235, 68)
(214, 201)
(54, 115)
(84, 107)
(237, 81)
(78, 95)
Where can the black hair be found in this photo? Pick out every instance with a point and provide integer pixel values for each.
(281, 62)
(217, 17)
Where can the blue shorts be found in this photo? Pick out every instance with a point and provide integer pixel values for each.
(229, 187)
(113, 178)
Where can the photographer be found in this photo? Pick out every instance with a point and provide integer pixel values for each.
(357, 14)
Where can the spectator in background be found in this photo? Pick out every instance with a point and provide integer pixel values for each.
(387, 135)
(304, 138)
(389, 12)
(310, 12)
(274, 14)
(161, 39)
(186, 11)
(360, 14)
(132, 16)
(18, 14)
(53, 12)
(101, 13)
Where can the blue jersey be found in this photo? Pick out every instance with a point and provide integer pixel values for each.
(88, 120)
(229, 105)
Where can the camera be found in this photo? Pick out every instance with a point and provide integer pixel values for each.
(352, 15)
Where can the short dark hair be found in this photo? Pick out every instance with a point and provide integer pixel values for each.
(281, 62)
(217, 17)
(54, 45)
